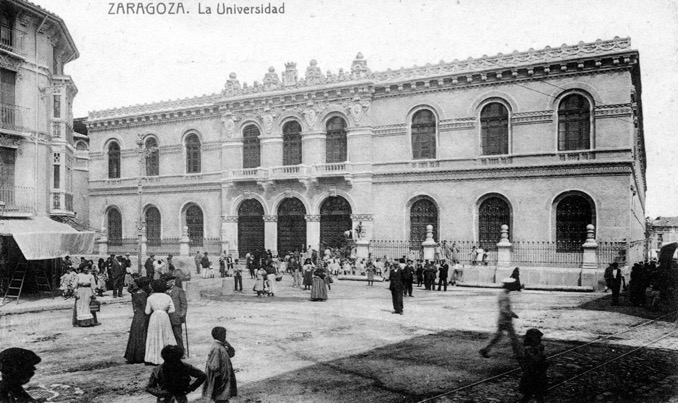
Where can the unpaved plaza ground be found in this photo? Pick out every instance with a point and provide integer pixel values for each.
(350, 348)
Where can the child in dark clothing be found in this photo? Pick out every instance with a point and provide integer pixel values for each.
(171, 381)
(533, 362)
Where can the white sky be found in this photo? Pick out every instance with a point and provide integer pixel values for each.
(133, 59)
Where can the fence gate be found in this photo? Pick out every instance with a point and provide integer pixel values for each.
(291, 226)
(250, 227)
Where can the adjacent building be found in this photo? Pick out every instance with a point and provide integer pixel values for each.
(544, 141)
(39, 163)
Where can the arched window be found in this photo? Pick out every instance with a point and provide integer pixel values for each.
(423, 135)
(573, 214)
(153, 226)
(292, 143)
(194, 222)
(494, 129)
(423, 213)
(251, 157)
(193, 154)
(574, 123)
(114, 227)
(493, 212)
(335, 145)
(152, 157)
(114, 160)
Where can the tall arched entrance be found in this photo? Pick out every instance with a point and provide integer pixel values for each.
(335, 219)
(291, 226)
(423, 213)
(250, 227)
(493, 212)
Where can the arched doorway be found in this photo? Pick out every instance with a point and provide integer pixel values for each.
(493, 212)
(291, 226)
(573, 214)
(335, 219)
(250, 227)
(423, 213)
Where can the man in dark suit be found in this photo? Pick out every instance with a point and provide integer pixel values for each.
(180, 307)
(173, 272)
(118, 275)
(149, 266)
(443, 272)
(408, 276)
(397, 285)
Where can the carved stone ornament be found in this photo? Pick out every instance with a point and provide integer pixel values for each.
(271, 80)
(268, 122)
(311, 116)
(312, 218)
(9, 141)
(229, 125)
(314, 76)
(357, 112)
(232, 86)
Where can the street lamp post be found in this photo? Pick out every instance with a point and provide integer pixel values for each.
(140, 220)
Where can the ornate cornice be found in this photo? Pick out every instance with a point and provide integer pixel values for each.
(613, 110)
(390, 130)
(356, 88)
(532, 117)
(505, 172)
(457, 124)
(9, 141)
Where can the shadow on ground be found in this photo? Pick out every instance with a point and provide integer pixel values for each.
(604, 304)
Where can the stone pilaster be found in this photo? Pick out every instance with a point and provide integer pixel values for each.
(313, 231)
(271, 233)
(229, 233)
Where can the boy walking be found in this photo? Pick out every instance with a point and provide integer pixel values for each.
(505, 321)
(221, 384)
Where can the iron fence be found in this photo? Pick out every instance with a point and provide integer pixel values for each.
(545, 254)
(17, 198)
(396, 249)
(613, 251)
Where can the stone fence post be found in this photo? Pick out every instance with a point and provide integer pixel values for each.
(184, 249)
(429, 244)
(504, 248)
(102, 243)
(590, 259)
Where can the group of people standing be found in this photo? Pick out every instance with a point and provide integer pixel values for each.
(160, 308)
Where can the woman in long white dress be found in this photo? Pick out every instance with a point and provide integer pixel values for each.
(84, 282)
(159, 334)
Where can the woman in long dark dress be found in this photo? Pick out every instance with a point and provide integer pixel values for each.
(136, 344)
(319, 288)
(308, 274)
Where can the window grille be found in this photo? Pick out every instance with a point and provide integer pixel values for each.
(423, 135)
(574, 123)
(335, 145)
(423, 213)
(193, 154)
(492, 214)
(494, 125)
(251, 153)
(292, 143)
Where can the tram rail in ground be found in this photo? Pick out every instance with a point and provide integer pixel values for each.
(572, 364)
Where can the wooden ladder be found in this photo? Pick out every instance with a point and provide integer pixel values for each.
(16, 284)
(42, 281)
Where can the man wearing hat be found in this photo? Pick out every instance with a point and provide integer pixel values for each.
(173, 272)
(408, 276)
(180, 308)
(118, 275)
(148, 265)
(613, 280)
(505, 321)
(17, 366)
(397, 285)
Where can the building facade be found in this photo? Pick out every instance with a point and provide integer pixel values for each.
(544, 141)
(38, 159)
(663, 230)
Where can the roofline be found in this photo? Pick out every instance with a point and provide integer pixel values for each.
(45, 13)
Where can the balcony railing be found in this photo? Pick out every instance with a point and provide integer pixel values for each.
(249, 174)
(12, 117)
(12, 40)
(62, 130)
(62, 202)
(333, 168)
(17, 199)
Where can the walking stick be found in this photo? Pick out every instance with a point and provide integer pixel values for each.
(188, 355)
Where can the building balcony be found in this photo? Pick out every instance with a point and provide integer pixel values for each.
(62, 203)
(62, 131)
(248, 175)
(18, 201)
(12, 119)
(12, 40)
